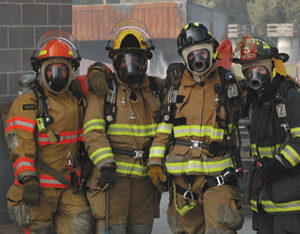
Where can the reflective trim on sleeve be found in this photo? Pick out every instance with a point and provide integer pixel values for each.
(157, 151)
(84, 83)
(271, 207)
(295, 132)
(94, 124)
(199, 131)
(164, 128)
(20, 123)
(197, 166)
(101, 154)
(265, 151)
(132, 130)
(23, 165)
(291, 155)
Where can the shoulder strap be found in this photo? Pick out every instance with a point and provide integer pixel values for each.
(168, 109)
(110, 106)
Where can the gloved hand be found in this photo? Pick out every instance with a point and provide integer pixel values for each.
(76, 88)
(108, 177)
(97, 75)
(272, 168)
(174, 74)
(31, 191)
(158, 178)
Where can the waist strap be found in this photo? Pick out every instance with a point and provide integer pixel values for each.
(136, 154)
(52, 172)
(182, 191)
(213, 147)
(192, 144)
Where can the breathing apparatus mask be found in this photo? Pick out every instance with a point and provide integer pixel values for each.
(198, 59)
(258, 74)
(130, 66)
(56, 74)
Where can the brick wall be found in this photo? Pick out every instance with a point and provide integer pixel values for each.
(22, 22)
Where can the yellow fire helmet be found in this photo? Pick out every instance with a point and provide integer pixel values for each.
(130, 34)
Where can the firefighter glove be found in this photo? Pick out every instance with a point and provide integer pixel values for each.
(272, 168)
(31, 191)
(158, 178)
(108, 177)
(76, 88)
(174, 74)
(97, 75)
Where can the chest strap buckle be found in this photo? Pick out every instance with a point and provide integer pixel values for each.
(139, 154)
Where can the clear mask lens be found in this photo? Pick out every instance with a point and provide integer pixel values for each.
(130, 66)
(57, 76)
(198, 60)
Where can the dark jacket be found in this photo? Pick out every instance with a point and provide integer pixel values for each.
(274, 132)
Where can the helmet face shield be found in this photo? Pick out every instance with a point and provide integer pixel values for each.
(192, 36)
(194, 33)
(258, 77)
(130, 66)
(198, 60)
(56, 43)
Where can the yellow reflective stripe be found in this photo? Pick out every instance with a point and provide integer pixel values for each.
(231, 127)
(253, 205)
(132, 130)
(157, 151)
(199, 131)
(295, 132)
(131, 169)
(42, 52)
(101, 154)
(164, 128)
(94, 124)
(291, 155)
(210, 167)
(71, 52)
(267, 151)
(270, 206)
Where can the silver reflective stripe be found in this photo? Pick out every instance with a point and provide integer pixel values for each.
(24, 163)
(164, 128)
(43, 139)
(295, 132)
(22, 123)
(131, 169)
(291, 155)
(101, 154)
(94, 124)
(49, 181)
(200, 131)
(157, 151)
(132, 130)
(270, 206)
(208, 167)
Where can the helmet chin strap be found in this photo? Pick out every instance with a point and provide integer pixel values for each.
(198, 76)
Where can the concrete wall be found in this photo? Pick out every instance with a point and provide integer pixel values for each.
(22, 22)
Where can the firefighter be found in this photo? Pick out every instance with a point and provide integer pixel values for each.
(273, 107)
(200, 163)
(118, 131)
(43, 134)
